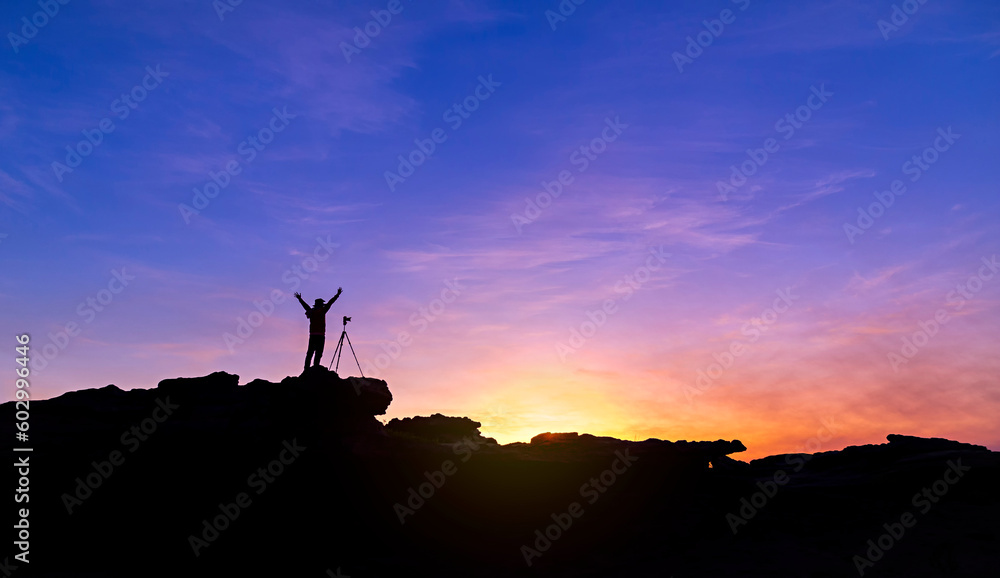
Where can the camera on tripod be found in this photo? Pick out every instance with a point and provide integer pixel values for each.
(339, 351)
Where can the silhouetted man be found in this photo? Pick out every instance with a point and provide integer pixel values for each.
(317, 325)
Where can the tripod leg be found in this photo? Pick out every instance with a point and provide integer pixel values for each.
(349, 344)
(340, 350)
(336, 352)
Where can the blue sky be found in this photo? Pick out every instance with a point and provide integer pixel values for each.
(493, 351)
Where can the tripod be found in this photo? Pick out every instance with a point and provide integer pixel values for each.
(340, 349)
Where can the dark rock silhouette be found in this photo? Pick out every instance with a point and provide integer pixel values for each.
(440, 428)
(329, 486)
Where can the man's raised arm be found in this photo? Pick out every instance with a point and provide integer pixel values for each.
(299, 297)
(330, 302)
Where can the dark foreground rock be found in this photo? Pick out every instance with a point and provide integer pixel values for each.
(203, 477)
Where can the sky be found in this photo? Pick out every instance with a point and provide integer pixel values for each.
(773, 222)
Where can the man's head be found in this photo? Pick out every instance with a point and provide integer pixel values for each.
(318, 303)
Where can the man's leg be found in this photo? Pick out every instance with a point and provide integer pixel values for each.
(309, 352)
(320, 344)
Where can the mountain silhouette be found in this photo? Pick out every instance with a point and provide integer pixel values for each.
(204, 477)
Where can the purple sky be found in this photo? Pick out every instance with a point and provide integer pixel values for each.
(473, 290)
